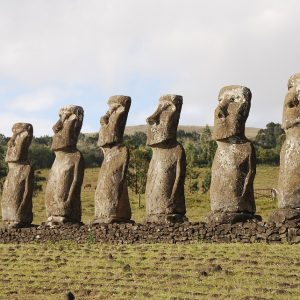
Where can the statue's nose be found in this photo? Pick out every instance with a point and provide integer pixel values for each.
(58, 126)
(154, 119)
(150, 120)
(293, 102)
(222, 112)
(104, 120)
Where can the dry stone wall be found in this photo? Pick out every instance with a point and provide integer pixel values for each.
(188, 233)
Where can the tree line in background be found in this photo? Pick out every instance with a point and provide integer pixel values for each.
(268, 144)
(200, 150)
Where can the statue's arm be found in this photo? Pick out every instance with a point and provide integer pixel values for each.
(28, 191)
(248, 186)
(125, 165)
(123, 173)
(180, 174)
(77, 179)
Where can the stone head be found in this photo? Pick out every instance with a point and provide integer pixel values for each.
(67, 128)
(162, 125)
(232, 112)
(18, 145)
(291, 108)
(114, 121)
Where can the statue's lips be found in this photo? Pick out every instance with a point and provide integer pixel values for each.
(221, 114)
(220, 122)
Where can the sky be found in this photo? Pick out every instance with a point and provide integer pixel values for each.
(81, 52)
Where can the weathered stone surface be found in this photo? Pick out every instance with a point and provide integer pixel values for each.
(67, 128)
(162, 125)
(289, 174)
(231, 217)
(165, 199)
(293, 235)
(285, 214)
(114, 121)
(234, 164)
(62, 198)
(18, 186)
(233, 173)
(111, 197)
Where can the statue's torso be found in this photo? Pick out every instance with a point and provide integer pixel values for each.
(165, 181)
(64, 185)
(289, 174)
(233, 172)
(111, 197)
(17, 193)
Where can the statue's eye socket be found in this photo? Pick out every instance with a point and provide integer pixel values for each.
(293, 103)
(166, 105)
(232, 99)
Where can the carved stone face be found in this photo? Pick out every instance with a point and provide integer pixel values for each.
(67, 128)
(291, 108)
(232, 112)
(162, 125)
(114, 121)
(17, 147)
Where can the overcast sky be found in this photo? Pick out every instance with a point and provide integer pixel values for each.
(59, 52)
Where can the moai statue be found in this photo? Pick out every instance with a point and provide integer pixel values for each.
(234, 165)
(165, 200)
(289, 173)
(62, 197)
(111, 197)
(18, 186)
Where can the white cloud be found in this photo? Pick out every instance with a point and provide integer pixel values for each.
(36, 101)
(140, 118)
(191, 47)
(41, 126)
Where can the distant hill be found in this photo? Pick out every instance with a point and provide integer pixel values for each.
(251, 132)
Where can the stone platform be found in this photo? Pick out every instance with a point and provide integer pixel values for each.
(245, 232)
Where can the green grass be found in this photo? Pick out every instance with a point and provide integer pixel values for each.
(266, 178)
(200, 271)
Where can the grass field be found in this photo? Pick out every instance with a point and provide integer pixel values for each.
(200, 271)
(160, 271)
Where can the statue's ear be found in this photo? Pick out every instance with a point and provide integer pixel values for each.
(173, 107)
(165, 105)
(23, 134)
(72, 117)
(120, 109)
(246, 109)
